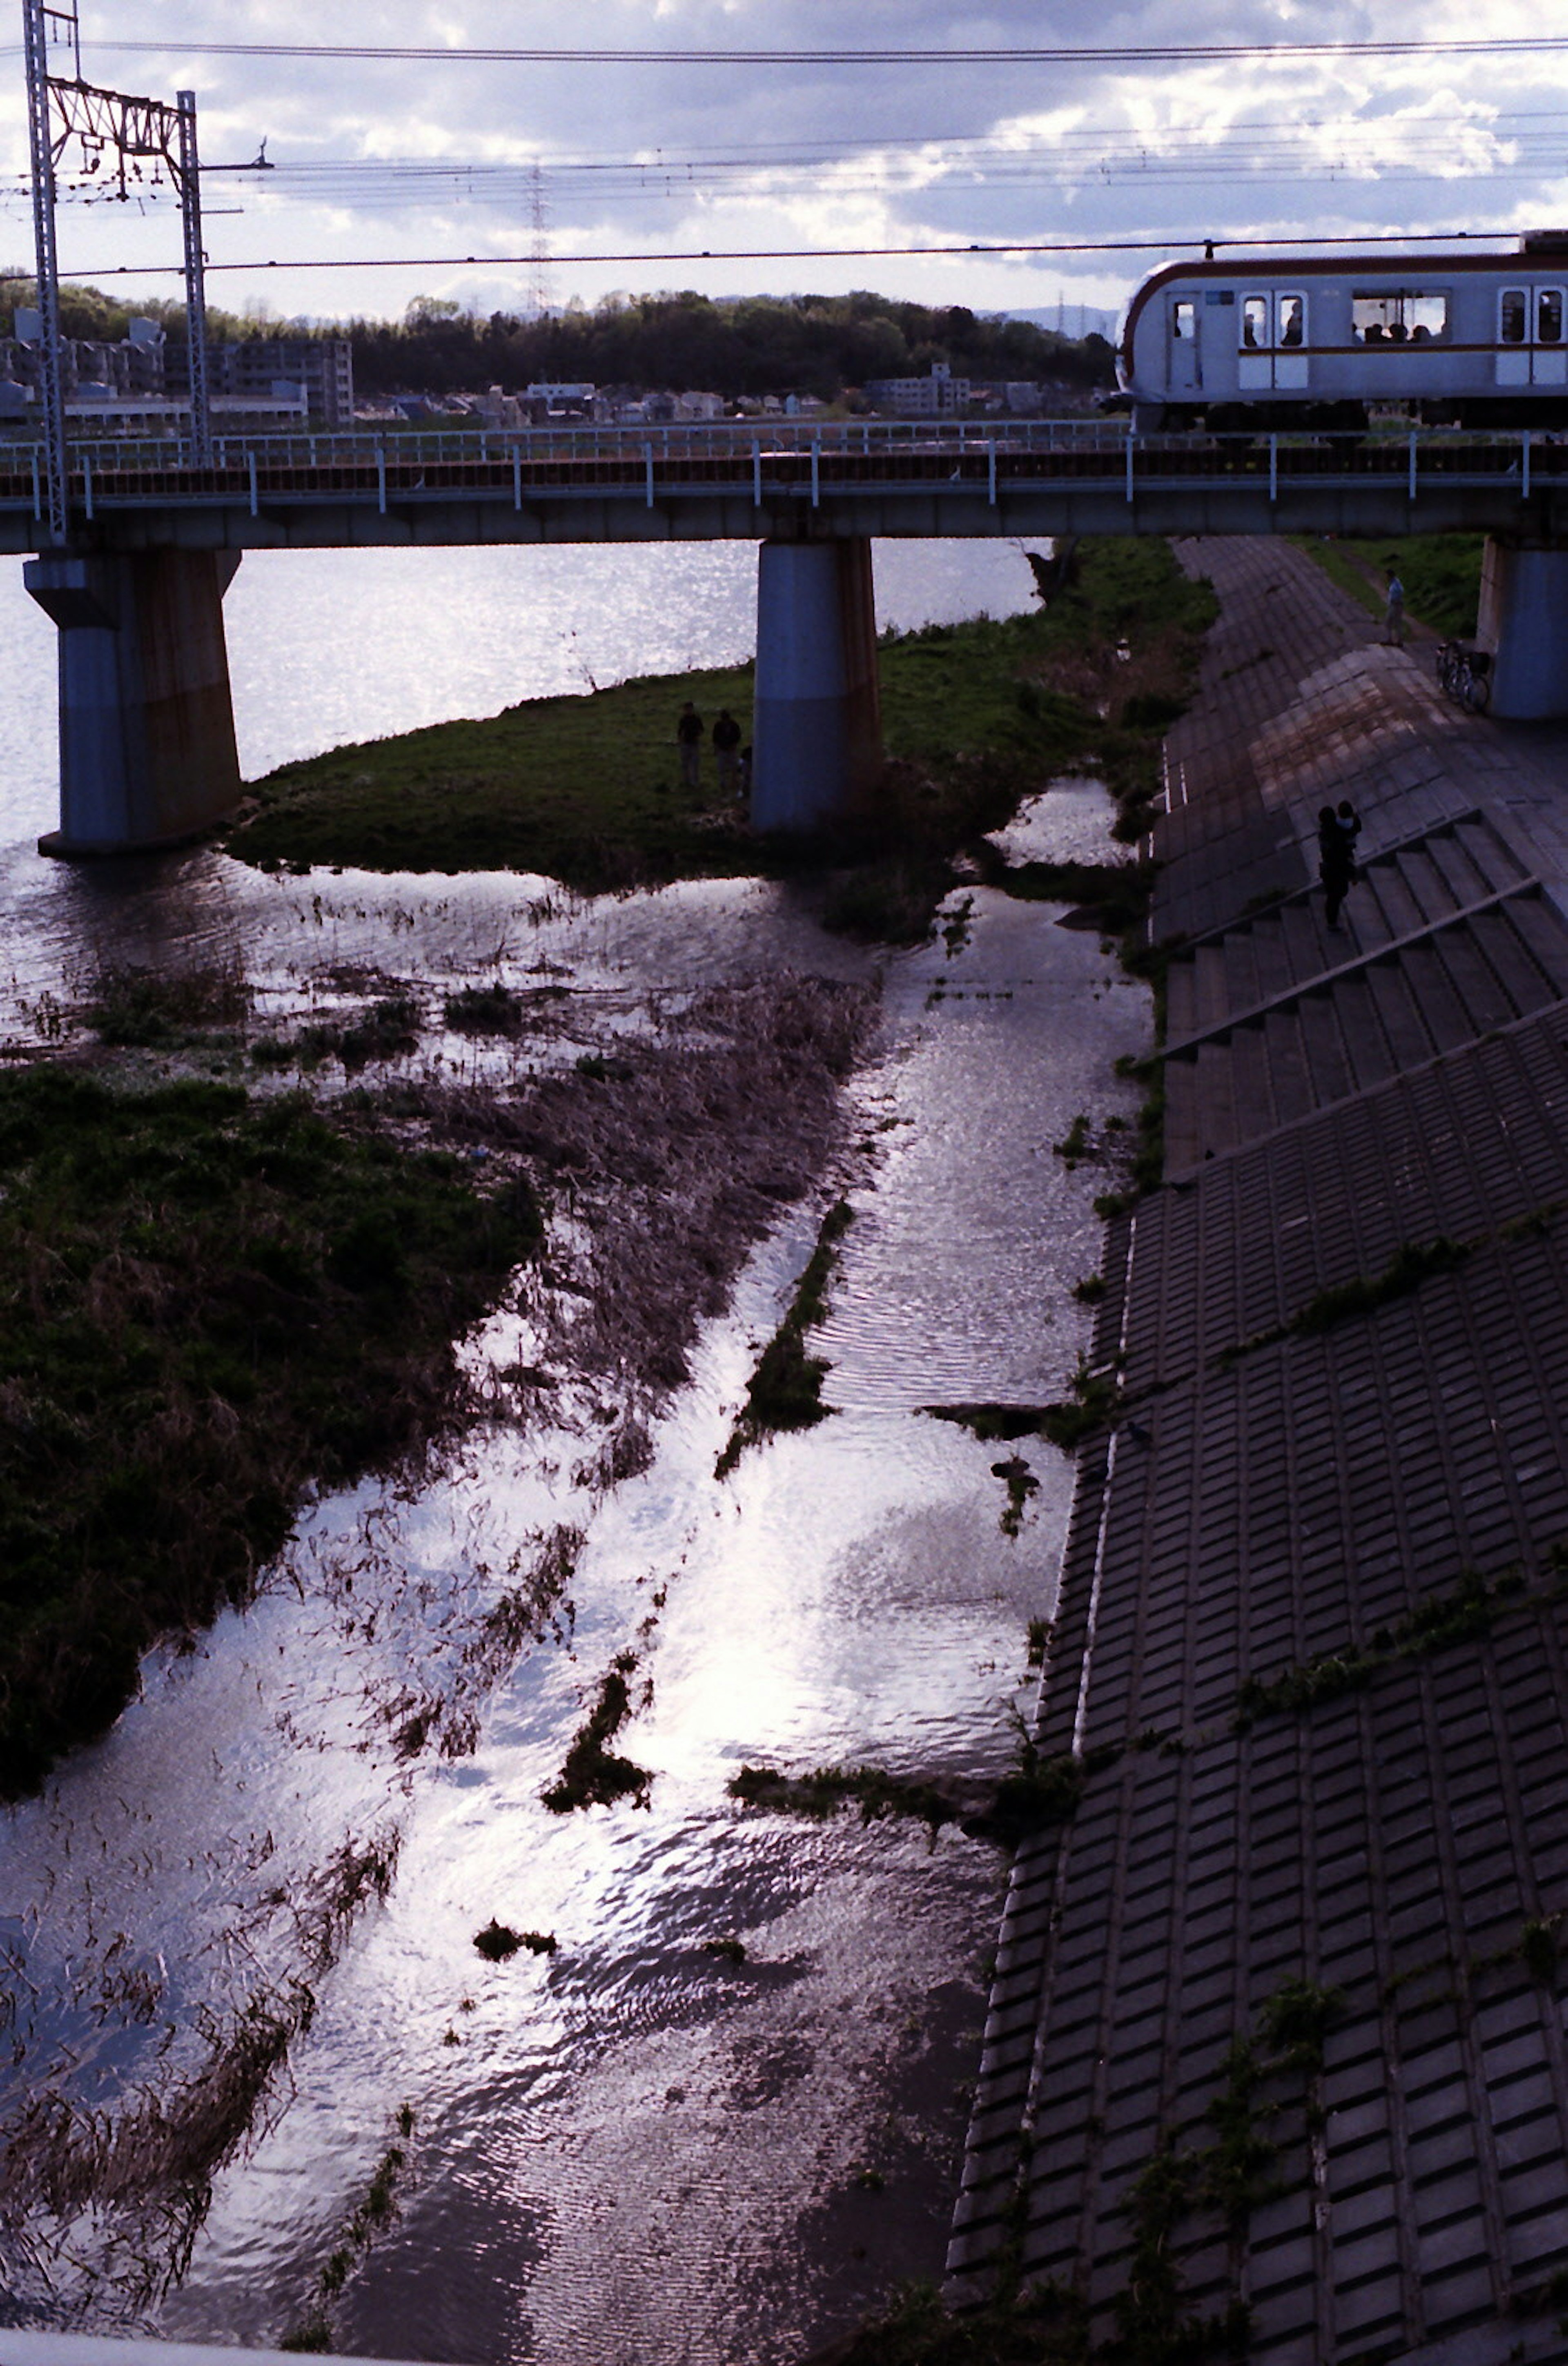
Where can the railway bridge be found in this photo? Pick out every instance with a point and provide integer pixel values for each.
(154, 533)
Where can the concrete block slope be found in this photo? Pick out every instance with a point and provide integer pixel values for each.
(1278, 2036)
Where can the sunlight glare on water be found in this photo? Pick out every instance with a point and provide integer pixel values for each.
(328, 648)
(725, 2114)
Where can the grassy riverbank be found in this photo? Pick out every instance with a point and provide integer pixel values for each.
(207, 1302)
(1440, 572)
(587, 790)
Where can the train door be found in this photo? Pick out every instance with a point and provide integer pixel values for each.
(1186, 361)
(1271, 342)
(1531, 348)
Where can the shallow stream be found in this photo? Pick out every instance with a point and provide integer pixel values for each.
(725, 2114)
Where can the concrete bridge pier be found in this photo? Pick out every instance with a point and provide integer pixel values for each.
(1523, 621)
(147, 753)
(817, 730)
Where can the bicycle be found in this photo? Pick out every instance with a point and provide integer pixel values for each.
(1465, 673)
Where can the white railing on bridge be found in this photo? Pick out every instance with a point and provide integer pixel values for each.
(828, 455)
(415, 447)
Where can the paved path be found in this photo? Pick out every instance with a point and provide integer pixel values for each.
(1278, 2006)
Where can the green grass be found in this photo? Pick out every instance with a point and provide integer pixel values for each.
(785, 1389)
(1440, 572)
(593, 1776)
(587, 790)
(207, 1302)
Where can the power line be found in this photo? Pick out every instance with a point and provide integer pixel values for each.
(1324, 147)
(1132, 54)
(1164, 244)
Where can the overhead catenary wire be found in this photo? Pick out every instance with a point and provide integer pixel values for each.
(1330, 148)
(931, 54)
(1163, 242)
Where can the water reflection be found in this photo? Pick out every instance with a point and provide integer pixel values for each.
(332, 647)
(725, 2113)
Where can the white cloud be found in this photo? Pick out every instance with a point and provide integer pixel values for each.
(745, 156)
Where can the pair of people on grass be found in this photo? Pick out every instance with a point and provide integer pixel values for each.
(725, 747)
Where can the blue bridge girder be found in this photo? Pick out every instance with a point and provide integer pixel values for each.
(848, 478)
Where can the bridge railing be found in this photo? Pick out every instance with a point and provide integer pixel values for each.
(415, 447)
(804, 458)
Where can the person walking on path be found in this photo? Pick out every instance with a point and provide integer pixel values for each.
(1347, 822)
(1394, 623)
(726, 749)
(1336, 834)
(689, 738)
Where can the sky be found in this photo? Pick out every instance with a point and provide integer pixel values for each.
(452, 177)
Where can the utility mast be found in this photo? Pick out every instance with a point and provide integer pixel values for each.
(62, 107)
(39, 25)
(539, 258)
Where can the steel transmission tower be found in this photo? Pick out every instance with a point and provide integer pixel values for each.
(539, 254)
(62, 107)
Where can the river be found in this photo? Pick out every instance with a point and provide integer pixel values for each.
(723, 2116)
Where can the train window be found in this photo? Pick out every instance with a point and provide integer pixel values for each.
(1513, 318)
(1398, 317)
(1184, 319)
(1549, 316)
(1254, 322)
(1293, 319)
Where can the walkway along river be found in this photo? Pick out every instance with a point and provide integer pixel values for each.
(723, 2111)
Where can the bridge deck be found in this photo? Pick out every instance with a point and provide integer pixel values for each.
(1043, 477)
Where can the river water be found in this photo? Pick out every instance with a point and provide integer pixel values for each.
(723, 2116)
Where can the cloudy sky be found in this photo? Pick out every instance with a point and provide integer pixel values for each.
(395, 171)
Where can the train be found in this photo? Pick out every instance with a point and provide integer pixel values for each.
(1321, 343)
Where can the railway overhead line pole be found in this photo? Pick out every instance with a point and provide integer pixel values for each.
(147, 750)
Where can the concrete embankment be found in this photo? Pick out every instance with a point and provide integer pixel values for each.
(1277, 2033)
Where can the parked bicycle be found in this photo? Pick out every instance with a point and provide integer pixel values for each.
(1465, 672)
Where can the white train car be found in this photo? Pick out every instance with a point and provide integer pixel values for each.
(1465, 340)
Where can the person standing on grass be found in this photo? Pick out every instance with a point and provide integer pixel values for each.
(689, 739)
(726, 749)
(1394, 621)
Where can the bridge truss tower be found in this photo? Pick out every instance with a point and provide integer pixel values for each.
(62, 108)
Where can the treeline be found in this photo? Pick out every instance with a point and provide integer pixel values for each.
(733, 346)
(90, 313)
(737, 346)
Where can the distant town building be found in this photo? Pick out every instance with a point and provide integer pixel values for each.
(322, 368)
(919, 397)
(280, 381)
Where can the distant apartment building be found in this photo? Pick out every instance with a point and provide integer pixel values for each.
(281, 378)
(919, 397)
(93, 367)
(322, 368)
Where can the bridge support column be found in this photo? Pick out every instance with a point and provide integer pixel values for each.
(817, 726)
(1524, 622)
(147, 753)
